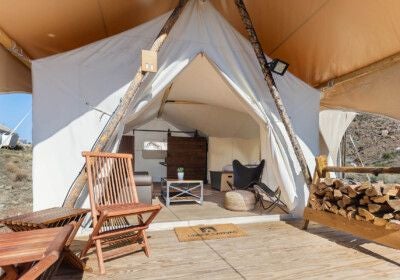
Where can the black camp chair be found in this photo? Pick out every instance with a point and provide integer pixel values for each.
(245, 177)
(249, 178)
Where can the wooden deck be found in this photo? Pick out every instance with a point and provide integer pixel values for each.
(277, 250)
(212, 208)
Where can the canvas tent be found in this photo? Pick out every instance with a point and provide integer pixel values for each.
(83, 86)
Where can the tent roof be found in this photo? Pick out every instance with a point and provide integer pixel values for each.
(320, 39)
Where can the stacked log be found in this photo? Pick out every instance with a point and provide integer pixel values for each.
(377, 203)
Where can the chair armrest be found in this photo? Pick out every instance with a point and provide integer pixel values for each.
(127, 209)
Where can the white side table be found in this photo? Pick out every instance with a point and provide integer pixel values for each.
(174, 190)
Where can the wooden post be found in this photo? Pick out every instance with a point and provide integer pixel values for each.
(122, 108)
(273, 89)
(14, 49)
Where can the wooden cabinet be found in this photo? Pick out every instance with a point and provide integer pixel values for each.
(189, 153)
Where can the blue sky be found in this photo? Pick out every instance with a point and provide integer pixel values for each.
(13, 107)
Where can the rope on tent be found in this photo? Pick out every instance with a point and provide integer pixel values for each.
(16, 127)
(97, 109)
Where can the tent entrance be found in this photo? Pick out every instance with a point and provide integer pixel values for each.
(198, 99)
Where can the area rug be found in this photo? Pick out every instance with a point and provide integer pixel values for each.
(208, 232)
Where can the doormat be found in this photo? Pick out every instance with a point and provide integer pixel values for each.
(208, 232)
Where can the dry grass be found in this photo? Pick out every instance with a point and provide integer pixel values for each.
(15, 181)
(20, 176)
(11, 167)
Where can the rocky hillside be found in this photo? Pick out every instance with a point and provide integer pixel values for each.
(377, 140)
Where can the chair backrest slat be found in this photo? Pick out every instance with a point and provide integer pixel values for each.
(110, 178)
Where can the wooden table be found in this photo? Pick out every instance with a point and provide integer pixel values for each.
(38, 251)
(174, 190)
(50, 218)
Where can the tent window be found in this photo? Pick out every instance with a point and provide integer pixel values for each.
(155, 146)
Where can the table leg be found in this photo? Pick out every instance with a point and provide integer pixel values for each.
(167, 200)
(201, 193)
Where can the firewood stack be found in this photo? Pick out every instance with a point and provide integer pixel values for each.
(377, 203)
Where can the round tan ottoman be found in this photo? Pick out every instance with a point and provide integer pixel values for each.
(239, 200)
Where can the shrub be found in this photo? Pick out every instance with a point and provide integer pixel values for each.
(11, 167)
(387, 156)
(20, 176)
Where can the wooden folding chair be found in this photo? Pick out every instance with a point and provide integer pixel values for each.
(113, 197)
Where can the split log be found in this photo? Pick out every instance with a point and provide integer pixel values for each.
(374, 208)
(337, 194)
(273, 90)
(123, 107)
(380, 199)
(340, 185)
(388, 216)
(315, 202)
(359, 218)
(379, 221)
(334, 209)
(391, 190)
(347, 200)
(328, 195)
(366, 214)
(351, 191)
(394, 204)
(351, 214)
(363, 186)
(328, 181)
(393, 225)
(351, 208)
(365, 200)
(326, 205)
(343, 212)
(374, 190)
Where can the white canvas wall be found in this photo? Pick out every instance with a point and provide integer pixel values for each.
(222, 151)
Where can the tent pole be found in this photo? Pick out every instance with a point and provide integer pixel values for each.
(122, 109)
(273, 89)
(14, 49)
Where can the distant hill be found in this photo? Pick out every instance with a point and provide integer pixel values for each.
(377, 140)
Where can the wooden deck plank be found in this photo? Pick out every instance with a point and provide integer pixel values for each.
(278, 250)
